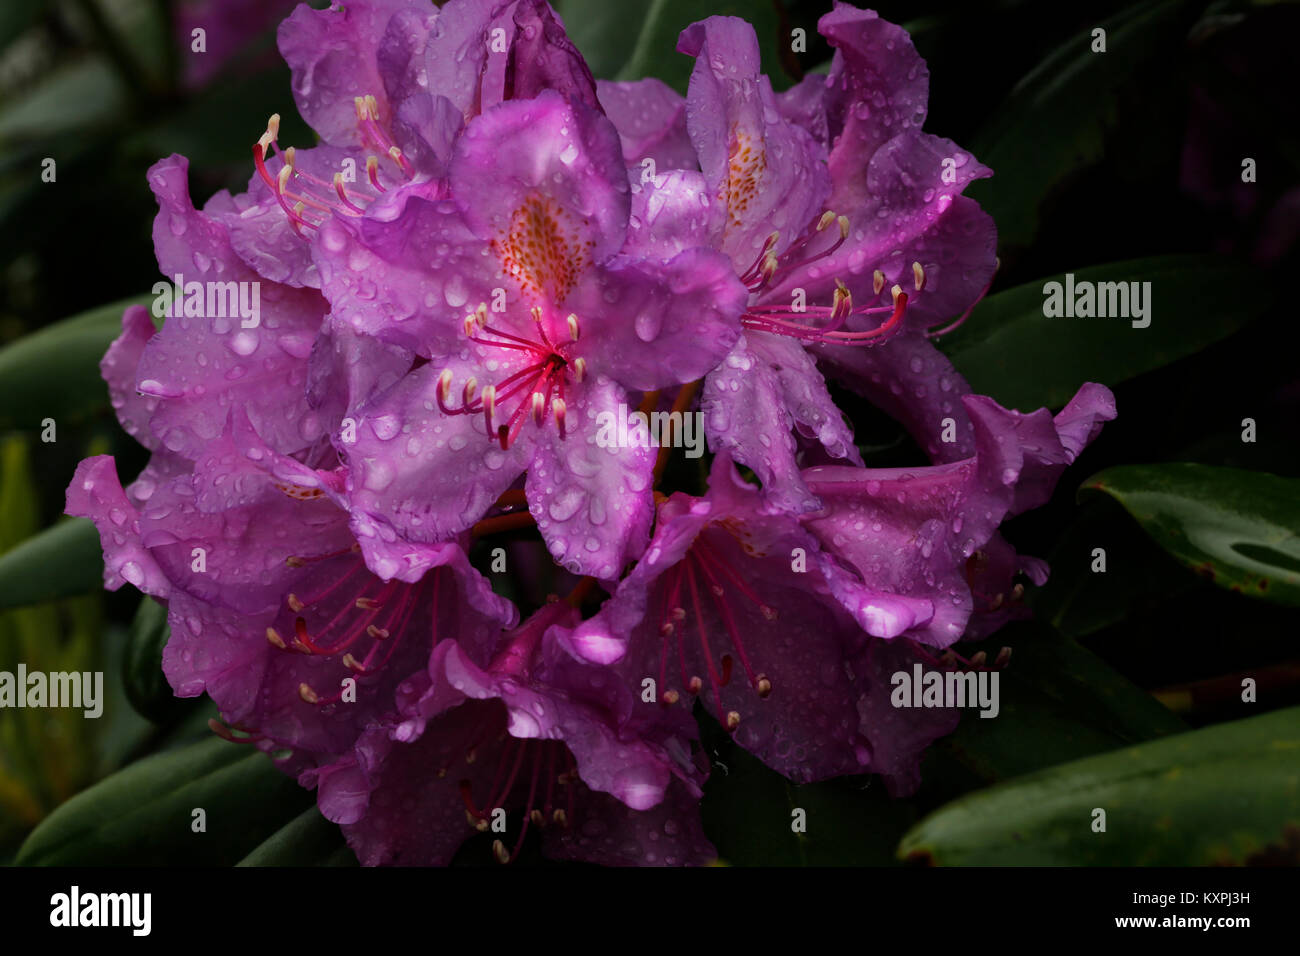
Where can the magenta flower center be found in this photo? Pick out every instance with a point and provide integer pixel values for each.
(531, 391)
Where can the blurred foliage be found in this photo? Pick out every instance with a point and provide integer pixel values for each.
(1097, 159)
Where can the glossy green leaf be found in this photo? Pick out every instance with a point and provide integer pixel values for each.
(307, 840)
(605, 32)
(143, 815)
(54, 373)
(1226, 794)
(61, 561)
(1010, 350)
(142, 675)
(1057, 119)
(1239, 528)
(83, 94)
(1057, 702)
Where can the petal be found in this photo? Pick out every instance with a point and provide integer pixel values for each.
(804, 105)
(409, 278)
(629, 770)
(603, 639)
(747, 416)
(591, 498)
(767, 387)
(333, 54)
(544, 58)
(767, 173)
(610, 833)
(649, 325)
(897, 737)
(912, 532)
(544, 181)
(881, 83)
(466, 57)
(394, 806)
(213, 650)
(896, 214)
(670, 214)
(913, 381)
(346, 370)
(118, 367)
(96, 493)
(421, 475)
(200, 364)
(650, 117)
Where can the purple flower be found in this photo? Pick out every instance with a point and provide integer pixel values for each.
(738, 606)
(272, 611)
(534, 327)
(201, 364)
(388, 85)
(828, 192)
(481, 741)
(651, 121)
(909, 534)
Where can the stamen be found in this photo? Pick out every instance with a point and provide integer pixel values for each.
(372, 173)
(558, 409)
(489, 406)
(343, 193)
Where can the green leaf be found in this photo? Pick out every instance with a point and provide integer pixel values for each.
(307, 840)
(1057, 702)
(142, 675)
(1057, 119)
(1008, 349)
(1239, 528)
(54, 373)
(16, 16)
(1221, 795)
(61, 561)
(143, 815)
(605, 32)
(82, 95)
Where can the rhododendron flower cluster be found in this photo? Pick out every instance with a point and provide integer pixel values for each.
(488, 253)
